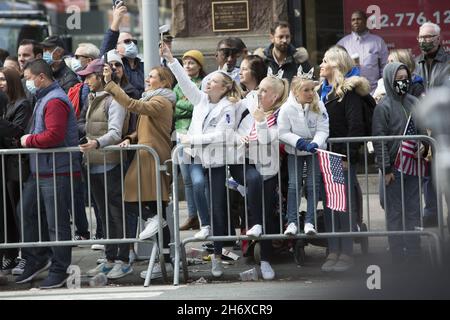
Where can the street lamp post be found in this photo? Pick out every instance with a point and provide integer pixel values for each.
(150, 32)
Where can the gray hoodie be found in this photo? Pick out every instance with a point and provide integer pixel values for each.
(390, 117)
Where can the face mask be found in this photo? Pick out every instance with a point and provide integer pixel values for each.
(426, 46)
(76, 65)
(131, 50)
(31, 86)
(401, 87)
(48, 57)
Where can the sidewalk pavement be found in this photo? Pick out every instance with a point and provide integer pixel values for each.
(283, 263)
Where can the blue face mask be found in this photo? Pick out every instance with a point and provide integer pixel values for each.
(131, 50)
(76, 65)
(48, 57)
(31, 86)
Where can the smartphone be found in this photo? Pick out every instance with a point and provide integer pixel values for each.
(83, 140)
(117, 3)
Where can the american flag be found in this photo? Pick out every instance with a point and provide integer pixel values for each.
(271, 120)
(333, 178)
(406, 162)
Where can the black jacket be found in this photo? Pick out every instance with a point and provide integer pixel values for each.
(289, 67)
(14, 121)
(346, 116)
(65, 77)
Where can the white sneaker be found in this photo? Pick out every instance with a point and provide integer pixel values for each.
(151, 228)
(98, 247)
(120, 270)
(156, 272)
(267, 271)
(104, 267)
(255, 231)
(309, 229)
(216, 267)
(205, 231)
(291, 229)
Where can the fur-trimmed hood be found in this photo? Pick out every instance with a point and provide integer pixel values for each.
(359, 84)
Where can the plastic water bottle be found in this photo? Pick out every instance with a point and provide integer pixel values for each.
(100, 280)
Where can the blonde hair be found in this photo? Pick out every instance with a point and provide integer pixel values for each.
(296, 86)
(234, 91)
(404, 56)
(341, 64)
(281, 88)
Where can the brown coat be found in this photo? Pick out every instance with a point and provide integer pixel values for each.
(153, 129)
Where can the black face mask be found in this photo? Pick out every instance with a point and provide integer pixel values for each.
(401, 87)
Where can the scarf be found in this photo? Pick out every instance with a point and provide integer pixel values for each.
(271, 118)
(326, 89)
(163, 92)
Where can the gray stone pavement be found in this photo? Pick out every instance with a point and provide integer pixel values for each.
(287, 271)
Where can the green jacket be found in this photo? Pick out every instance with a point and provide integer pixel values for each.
(184, 108)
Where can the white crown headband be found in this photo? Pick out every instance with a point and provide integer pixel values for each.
(305, 75)
(279, 75)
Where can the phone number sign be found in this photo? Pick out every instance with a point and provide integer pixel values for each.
(398, 22)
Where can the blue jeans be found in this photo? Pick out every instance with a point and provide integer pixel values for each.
(188, 190)
(402, 245)
(61, 255)
(313, 179)
(342, 219)
(199, 178)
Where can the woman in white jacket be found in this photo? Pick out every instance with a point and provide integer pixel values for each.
(259, 132)
(303, 118)
(213, 122)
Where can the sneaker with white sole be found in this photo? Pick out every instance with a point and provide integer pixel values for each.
(291, 229)
(267, 271)
(255, 231)
(104, 267)
(151, 228)
(309, 229)
(216, 267)
(156, 272)
(120, 269)
(18, 269)
(205, 231)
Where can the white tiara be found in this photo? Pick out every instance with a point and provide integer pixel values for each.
(305, 75)
(279, 75)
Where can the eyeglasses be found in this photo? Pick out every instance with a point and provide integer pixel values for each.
(77, 56)
(427, 37)
(229, 51)
(115, 64)
(128, 41)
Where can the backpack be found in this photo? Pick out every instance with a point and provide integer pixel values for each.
(368, 105)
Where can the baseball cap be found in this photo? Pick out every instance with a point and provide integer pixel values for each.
(52, 42)
(95, 66)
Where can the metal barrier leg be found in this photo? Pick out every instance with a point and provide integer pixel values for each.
(151, 263)
(185, 265)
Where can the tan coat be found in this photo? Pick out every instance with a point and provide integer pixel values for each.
(153, 129)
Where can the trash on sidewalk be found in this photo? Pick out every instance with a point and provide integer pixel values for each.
(249, 275)
(194, 261)
(200, 281)
(196, 253)
(99, 280)
(228, 255)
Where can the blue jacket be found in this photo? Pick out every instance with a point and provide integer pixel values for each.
(135, 76)
(37, 125)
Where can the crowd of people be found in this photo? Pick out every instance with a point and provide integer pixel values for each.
(266, 100)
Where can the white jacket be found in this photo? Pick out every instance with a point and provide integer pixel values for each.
(264, 154)
(295, 122)
(211, 123)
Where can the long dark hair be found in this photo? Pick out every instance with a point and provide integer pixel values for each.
(15, 89)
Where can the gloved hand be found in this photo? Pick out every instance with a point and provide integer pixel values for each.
(311, 147)
(301, 144)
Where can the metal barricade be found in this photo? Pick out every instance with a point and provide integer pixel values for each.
(372, 230)
(41, 239)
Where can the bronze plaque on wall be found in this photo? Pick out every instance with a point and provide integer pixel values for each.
(230, 16)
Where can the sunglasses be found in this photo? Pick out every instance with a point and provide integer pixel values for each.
(115, 64)
(77, 56)
(229, 51)
(128, 41)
